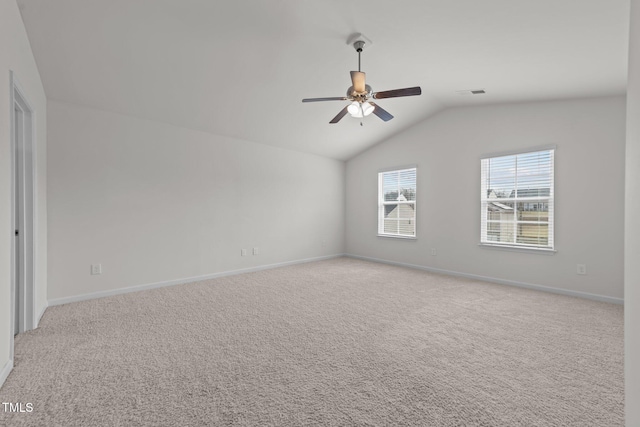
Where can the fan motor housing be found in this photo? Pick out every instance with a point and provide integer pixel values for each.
(360, 97)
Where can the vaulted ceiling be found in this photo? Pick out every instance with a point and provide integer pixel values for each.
(240, 68)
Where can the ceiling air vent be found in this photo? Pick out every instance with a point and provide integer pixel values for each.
(471, 92)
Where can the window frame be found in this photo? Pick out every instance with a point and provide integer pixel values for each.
(382, 203)
(548, 199)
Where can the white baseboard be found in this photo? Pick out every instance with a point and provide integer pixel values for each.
(567, 292)
(83, 297)
(6, 370)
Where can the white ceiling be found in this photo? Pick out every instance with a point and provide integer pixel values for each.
(240, 68)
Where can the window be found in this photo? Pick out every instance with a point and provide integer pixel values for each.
(517, 200)
(397, 203)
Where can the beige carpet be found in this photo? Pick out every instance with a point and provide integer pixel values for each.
(342, 342)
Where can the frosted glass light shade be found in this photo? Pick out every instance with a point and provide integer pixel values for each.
(367, 108)
(354, 109)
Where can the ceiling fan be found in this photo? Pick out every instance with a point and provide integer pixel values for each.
(360, 94)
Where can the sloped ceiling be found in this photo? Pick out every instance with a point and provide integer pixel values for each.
(241, 68)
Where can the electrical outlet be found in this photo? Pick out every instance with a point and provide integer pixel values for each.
(96, 269)
(434, 252)
(243, 252)
(255, 251)
(581, 269)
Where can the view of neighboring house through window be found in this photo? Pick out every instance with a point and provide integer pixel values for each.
(397, 203)
(517, 200)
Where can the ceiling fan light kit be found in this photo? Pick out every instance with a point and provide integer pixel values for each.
(359, 110)
(360, 93)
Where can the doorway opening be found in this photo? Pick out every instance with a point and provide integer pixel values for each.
(22, 214)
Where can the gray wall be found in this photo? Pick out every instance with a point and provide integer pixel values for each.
(154, 203)
(590, 139)
(632, 228)
(16, 56)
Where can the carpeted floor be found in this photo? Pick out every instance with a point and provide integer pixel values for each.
(342, 342)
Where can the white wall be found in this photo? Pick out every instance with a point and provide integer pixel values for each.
(589, 135)
(16, 56)
(632, 228)
(153, 202)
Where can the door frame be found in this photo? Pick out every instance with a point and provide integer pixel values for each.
(19, 101)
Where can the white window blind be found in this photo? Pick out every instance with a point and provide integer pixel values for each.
(397, 203)
(517, 200)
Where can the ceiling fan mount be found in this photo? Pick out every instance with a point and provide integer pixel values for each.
(358, 45)
(360, 93)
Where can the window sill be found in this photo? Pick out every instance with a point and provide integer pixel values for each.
(397, 237)
(541, 251)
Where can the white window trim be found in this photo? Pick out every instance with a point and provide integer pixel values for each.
(507, 247)
(520, 247)
(523, 151)
(394, 236)
(381, 204)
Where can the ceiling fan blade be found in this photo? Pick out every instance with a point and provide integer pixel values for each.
(357, 78)
(340, 115)
(381, 112)
(409, 91)
(335, 98)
